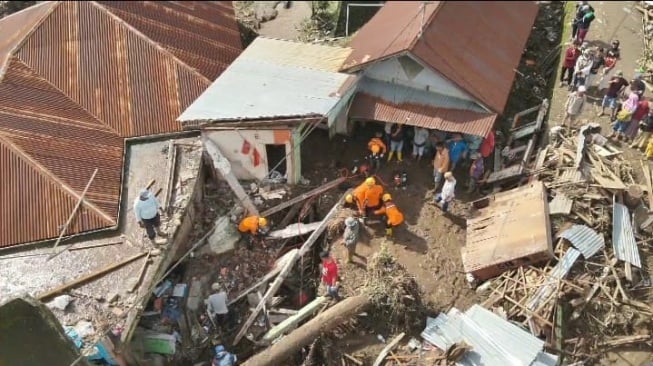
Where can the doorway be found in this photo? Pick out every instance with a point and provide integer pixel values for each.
(276, 154)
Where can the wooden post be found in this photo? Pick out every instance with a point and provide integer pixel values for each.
(223, 166)
(286, 270)
(172, 163)
(304, 335)
(89, 277)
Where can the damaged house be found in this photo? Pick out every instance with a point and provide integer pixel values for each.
(89, 96)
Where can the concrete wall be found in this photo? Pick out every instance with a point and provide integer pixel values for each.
(392, 71)
(30, 335)
(231, 142)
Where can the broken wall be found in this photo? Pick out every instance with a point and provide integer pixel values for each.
(30, 335)
(246, 152)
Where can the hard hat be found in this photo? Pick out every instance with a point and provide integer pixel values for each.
(262, 221)
(349, 198)
(376, 149)
(448, 175)
(370, 181)
(386, 197)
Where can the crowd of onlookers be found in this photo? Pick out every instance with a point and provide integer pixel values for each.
(587, 69)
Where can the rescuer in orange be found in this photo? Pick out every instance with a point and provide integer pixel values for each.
(377, 148)
(391, 214)
(357, 198)
(373, 196)
(254, 228)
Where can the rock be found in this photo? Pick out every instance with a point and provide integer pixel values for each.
(155, 252)
(60, 302)
(223, 239)
(265, 11)
(84, 328)
(118, 312)
(113, 296)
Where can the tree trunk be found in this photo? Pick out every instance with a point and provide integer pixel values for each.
(304, 335)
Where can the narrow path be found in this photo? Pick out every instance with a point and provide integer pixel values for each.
(286, 24)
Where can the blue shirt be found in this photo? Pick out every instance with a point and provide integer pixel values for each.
(147, 209)
(456, 150)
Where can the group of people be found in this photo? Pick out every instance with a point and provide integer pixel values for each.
(370, 199)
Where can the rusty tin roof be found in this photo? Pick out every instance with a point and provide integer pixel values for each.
(375, 108)
(76, 79)
(476, 45)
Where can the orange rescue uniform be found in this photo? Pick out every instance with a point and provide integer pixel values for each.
(249, 225)
(378, 142)
(390, 210)
(373, 196)
(359, 196)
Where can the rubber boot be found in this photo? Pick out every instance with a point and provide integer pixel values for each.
(388, 231)
(350, 256)
(390, 155)
(399, 155)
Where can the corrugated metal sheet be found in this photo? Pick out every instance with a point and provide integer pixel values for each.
(585, 239)
(369, 107)
(254, 88)
(623, 237)
(560, 204)
(399, 94)
(476, 54)
(554, 276)
(545, 359)
(494, 340)
(298, 54)
(81, 81)
(437, 333)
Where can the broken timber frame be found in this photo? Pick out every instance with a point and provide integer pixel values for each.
(223, 166)
(321, 189)
(285, 271)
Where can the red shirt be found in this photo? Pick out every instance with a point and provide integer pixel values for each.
(330, 272)
(487, 146)
(571, 55)
(641, 111)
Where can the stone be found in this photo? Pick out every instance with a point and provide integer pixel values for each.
(112, 296)
(60, 302)
(223, 239)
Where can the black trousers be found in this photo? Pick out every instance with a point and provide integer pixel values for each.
(570, 74)
(151, 225)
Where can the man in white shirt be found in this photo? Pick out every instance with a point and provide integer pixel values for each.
(447, 194)
(146, 210)
(217, 305)
(419, 142)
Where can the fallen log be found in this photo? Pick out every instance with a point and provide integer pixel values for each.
(304, 335)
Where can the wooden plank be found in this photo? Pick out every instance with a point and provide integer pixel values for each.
(321, 189)
(97, 245)
(647, 175)
(287, 268)
(141, 272)
(223, 166)
(387, 349)
(292, 321)
(73, 213)
(172, 164)
(88, 277)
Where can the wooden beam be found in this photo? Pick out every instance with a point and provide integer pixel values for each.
(321, 189)
(286, 270)
(172, 164)
(150, 183)
(292, 321)
(223, 166)
(97, 245)
(88, 277)
(141, 272)
(387, 349)
(72, 214)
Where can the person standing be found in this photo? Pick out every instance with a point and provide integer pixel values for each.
(582, 69)
(616, 86)
(637, 85)
(373, 196)
(641, 111)
(598, 61)
(350, 237)
(377, 148)
(440, 162)
(391, 214)
(487, 146)
(574, 105)
(624, 117)
(646, 127)
(396, 141)
(146, 210)
(569, 63)
(448, 193)
(585, 22)
(457, 150)
(476, 172)
(581, 8)
(330, 275)
(419, 142)
(216, 306)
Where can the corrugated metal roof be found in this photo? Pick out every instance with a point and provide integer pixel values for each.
(400, 94)
(369, 107)
(623, 237)
(585, 239)
(80, 79)
(478, 54)
(437, 332)
(298, 54)
(554, 276)
(258, 86)
(560, 204)
(545, 359)
(494, 340)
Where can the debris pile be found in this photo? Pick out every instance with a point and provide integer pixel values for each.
(590, 297)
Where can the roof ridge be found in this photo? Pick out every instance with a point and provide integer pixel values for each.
(49, 175)
(27, 35)
(426, 23)
(116, 132)
(148, 39)
(300, 42)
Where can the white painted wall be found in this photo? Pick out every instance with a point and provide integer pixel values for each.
(391, 71)
(230, 143)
